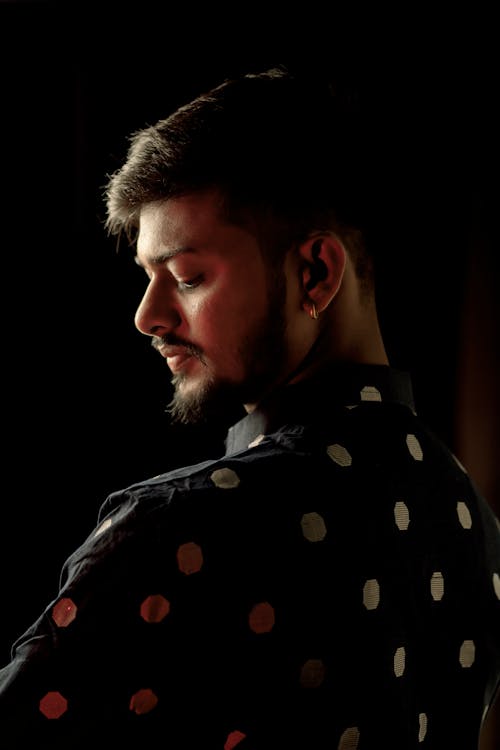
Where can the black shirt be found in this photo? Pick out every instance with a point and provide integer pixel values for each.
(332, 581)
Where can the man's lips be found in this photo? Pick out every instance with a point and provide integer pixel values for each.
(176, 356)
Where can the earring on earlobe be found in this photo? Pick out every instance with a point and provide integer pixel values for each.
(313, 312)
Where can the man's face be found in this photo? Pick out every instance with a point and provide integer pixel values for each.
(215, 310)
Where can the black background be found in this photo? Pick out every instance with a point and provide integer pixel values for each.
(83, 393)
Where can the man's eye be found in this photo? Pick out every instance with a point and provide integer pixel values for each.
(190, 283)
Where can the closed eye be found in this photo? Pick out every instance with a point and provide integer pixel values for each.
(190, 283)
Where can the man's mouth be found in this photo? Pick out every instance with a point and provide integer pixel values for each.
(176, 362)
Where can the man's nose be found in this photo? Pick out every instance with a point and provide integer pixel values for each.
(156, 315)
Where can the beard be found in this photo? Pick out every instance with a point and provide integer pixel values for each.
(262, 354)
(214, 401)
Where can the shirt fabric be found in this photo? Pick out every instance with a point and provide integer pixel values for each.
(332, 581)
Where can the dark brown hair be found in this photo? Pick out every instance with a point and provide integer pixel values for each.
(282, 149)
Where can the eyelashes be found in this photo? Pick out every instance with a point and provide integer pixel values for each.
(190, 283)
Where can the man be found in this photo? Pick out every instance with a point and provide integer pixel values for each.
(333, 580)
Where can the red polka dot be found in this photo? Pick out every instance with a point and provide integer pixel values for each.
(261, 618)
(53, 705)
(64, 612)
(143, 701)
(189, 558)
(233, 739)
(154, 608)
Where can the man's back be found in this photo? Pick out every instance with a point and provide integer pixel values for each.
(326, 586)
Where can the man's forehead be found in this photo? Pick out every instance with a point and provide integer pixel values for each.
(193, 222)
(173, 222)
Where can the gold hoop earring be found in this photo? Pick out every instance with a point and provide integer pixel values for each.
(313, 312)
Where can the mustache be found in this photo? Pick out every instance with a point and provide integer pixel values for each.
(170, 340)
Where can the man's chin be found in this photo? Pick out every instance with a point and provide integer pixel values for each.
(204, 404)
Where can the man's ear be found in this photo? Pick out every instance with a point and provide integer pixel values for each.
(323, 261)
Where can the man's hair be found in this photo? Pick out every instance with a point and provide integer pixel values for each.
(284, 151)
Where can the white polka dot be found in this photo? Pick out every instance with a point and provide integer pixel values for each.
(371, 594)
(349, 739)
(339, 454)
(437, 586)
(422, 726)
(104, 525)
(225, 479)
(370, 393)
(313, 527)
(464, 515)
(401, 515)
(414, 447)
(496, 584)
(256, 441)
(467, 653)
(399, 661)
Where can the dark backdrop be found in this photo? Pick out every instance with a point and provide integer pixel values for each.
(83, 393)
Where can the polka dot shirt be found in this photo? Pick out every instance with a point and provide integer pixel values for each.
(332, 581)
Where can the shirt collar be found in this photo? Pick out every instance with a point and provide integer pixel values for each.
(311, 400)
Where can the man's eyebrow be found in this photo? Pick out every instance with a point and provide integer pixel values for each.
(161, 258)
